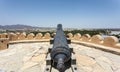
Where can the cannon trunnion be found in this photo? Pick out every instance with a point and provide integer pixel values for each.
(60, 56)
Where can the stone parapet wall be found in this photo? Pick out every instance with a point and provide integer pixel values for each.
(4, 43)
(30, 36)
(110, 41)
(12, 38)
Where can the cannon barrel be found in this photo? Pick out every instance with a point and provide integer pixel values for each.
(60, 52)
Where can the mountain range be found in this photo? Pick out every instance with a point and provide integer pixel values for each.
(26, 27)
(20, 26)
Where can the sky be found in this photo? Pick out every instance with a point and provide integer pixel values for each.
(69, 13)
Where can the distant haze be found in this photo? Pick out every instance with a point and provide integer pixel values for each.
(70, 13)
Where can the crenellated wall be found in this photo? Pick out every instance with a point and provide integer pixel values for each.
(30, 36)
(109, 41)
(5, 38)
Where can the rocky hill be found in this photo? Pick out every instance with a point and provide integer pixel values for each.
(17, 26)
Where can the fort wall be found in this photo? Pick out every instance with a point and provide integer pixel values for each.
(110, 41)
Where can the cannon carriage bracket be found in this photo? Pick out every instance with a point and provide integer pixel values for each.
(71, 64)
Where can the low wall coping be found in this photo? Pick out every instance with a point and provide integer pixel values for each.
(100, 47)
(28, 41)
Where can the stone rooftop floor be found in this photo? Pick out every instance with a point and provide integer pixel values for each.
(30, 57)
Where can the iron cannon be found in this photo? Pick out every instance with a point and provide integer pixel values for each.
(60, 56)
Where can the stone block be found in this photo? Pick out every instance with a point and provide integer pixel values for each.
(77, 36)
(13, 37)
(85, 37)
(47, 36)
(22, 36)
(110, 41)
(70, 35)
(117, 45)
(17, 33)
(30, 36)
(97, 39)
(5, 41)
(38, 36)
(4, 35)
(3, 44)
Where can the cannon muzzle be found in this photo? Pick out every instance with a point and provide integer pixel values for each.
(60, 65)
